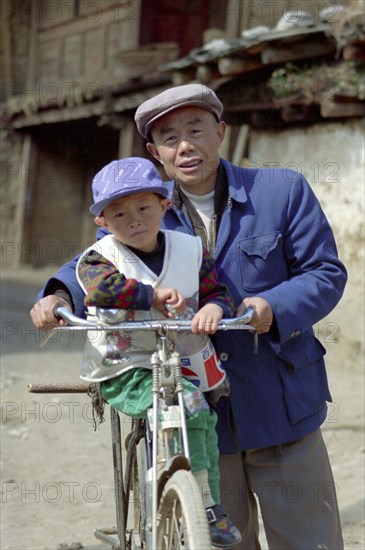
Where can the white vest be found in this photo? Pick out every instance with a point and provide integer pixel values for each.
(109, 354)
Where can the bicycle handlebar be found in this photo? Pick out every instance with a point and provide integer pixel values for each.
(72, 320)
(77, 323)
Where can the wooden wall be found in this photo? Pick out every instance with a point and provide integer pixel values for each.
(86, 49)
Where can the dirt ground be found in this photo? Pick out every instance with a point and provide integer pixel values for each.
(56, 472)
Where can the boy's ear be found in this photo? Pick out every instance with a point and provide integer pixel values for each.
(100, 220)
(165, 204)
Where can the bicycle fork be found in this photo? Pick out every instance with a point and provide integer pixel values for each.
(166, 382)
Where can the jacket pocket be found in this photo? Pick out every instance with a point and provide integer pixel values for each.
(261, 261)
(304, 377)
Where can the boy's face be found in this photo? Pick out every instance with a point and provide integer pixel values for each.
(186, 141)
(135, 219)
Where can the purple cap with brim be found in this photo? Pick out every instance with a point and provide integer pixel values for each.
(124, 177)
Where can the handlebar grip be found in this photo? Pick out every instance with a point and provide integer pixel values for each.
(248, 314)
(56, 312)
(62, 312)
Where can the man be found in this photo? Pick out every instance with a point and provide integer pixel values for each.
(275, 250)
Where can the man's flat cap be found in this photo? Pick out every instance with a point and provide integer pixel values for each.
(195, 95)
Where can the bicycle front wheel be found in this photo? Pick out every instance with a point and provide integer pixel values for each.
(181, 518)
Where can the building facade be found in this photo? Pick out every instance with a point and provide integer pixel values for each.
(74, 71)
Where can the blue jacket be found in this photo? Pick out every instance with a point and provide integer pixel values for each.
(274, 241)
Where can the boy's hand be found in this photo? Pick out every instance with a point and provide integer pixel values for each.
(205, 321)
(42, 312)
(171, 296)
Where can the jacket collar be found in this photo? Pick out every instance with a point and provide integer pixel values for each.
(236, 181)
(229, 176)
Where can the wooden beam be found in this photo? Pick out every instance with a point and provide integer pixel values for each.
(7, 76)
(341, 110)
(305, 50)
(126, 136)
(235, 65)
(62, 387)
(182, 77)
(233, 19)
(32, 53)
(25, 182)
(353, 53)
(241, 144)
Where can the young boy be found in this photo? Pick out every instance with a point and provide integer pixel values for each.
(153, 274)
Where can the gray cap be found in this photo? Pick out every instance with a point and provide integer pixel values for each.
(125, 177)
(181, 96)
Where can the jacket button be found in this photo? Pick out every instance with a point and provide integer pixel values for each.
(223, 356)
(289, 366)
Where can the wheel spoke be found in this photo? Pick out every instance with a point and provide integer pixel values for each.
(182, 523)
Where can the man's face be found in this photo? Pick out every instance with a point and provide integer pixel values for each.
(186, 142)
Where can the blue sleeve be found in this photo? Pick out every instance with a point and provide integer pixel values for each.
(65, 279)
(316, 276)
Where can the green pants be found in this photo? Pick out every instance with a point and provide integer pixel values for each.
(131, 393)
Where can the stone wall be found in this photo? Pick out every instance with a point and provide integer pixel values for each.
(331, 157)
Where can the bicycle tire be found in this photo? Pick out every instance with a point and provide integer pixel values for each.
(181, 520)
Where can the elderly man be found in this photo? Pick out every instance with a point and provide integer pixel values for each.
(275, 250)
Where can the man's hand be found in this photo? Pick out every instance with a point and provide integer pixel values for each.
(171, 296)
(42, 312)
(263, 316)
(205, 321)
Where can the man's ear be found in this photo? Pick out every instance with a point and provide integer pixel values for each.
(100, 220)
(152, 149)
(221, 130)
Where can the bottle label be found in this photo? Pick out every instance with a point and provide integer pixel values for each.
(203, 368)
(167, 418)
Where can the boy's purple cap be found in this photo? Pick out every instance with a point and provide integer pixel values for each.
(193, 95)
(125, 177)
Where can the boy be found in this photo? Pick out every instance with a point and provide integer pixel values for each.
(153, 273)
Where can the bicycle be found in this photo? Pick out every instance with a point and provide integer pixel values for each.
(168, 511)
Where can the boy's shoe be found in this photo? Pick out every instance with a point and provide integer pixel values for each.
(223, 532)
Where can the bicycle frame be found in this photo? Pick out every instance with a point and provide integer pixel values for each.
(166, 417)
